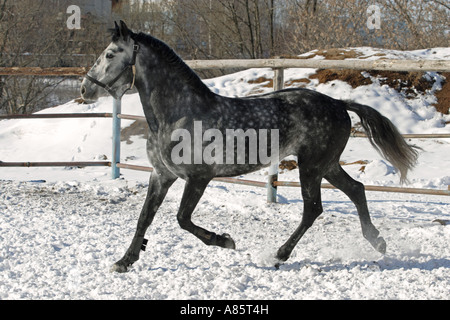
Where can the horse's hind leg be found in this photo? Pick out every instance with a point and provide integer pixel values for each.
(193, 191)
(356, 192)
(310, 180)
(157, 190)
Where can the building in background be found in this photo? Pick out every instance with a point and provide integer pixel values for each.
(96, 17)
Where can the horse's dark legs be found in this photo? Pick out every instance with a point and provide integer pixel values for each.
(157, 190)
(193, 191)
(312, 208)
(356, 192)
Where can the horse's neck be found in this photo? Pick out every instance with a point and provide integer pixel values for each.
(170, 97)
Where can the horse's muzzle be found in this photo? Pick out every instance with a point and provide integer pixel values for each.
(89, 92)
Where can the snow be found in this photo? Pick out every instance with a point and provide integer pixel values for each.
(60, 239)
(370, 53)
(61, 229)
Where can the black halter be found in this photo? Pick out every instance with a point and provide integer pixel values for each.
(108, 86)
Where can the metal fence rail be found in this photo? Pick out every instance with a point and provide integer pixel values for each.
(57, 116)
(261, 184)
(115, 163)
(79, 164)
(278, 65)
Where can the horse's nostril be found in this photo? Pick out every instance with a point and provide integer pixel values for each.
(83, 90)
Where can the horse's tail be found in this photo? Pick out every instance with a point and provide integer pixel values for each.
(386, 139)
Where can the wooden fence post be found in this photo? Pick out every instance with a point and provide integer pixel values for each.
(278, 84)
(117, 109)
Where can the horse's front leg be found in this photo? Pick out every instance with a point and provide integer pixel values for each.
(157, 190)
(193, 191)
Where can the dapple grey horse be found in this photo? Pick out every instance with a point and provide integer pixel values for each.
(310, 125)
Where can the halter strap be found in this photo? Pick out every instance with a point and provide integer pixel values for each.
(108, 86)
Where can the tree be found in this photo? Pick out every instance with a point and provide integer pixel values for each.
(34, 34)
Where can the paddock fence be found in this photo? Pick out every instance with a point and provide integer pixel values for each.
(277, 65)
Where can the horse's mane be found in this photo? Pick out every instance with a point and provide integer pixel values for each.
(173, 59)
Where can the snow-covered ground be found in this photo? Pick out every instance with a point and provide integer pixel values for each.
(60, 239)
(61, 229)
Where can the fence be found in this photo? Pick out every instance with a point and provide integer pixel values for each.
(278, 65)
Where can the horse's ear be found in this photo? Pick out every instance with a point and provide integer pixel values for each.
(124, 31)
(115, 32)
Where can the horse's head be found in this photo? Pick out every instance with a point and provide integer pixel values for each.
(114, 70)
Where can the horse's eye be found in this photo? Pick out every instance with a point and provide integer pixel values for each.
(109, 56)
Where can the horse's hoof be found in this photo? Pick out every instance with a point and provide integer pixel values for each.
(119, 268)
(380, 245)
(282, 256)
(228, 242)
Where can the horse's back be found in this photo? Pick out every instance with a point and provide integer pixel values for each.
(316, 127)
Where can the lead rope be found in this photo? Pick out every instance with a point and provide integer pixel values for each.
(133, 70)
